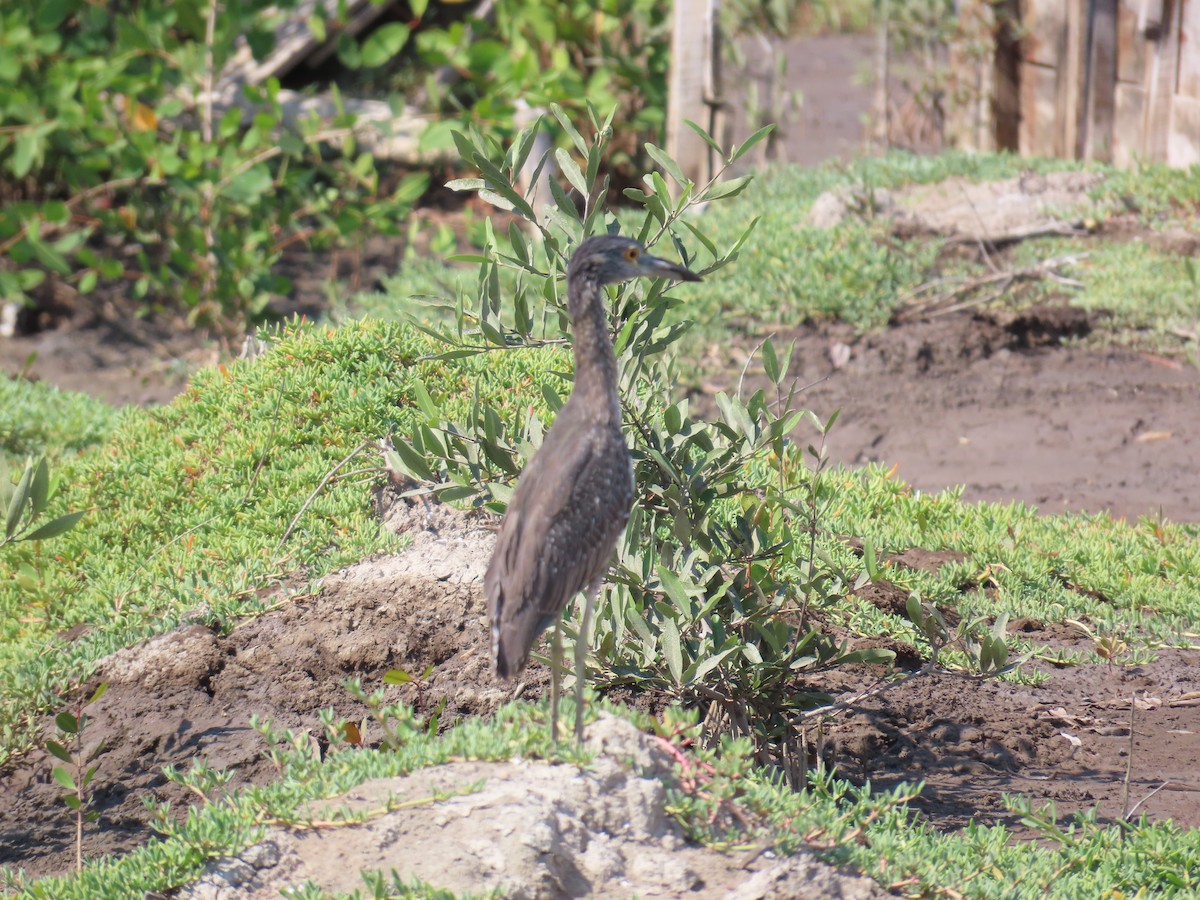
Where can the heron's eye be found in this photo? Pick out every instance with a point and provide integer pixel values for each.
(631, 254)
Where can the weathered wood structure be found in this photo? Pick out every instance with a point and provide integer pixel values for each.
(1111, 80)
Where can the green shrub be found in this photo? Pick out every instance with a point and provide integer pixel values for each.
(115, 171)
(38, 418)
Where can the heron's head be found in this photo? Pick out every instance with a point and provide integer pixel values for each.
(610, 258)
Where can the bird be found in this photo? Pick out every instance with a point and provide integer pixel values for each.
(573, 499)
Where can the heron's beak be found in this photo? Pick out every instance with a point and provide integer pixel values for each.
(653, 267)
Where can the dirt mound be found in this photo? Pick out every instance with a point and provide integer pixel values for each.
(997, 402)
(1067, 740)
(994, 211)
(529, 829)
(189, 694)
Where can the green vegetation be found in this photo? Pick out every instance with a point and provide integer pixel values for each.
(189, 502)
(858, 272)
(38, 418)
(736, 540)
(872, 831)
(103, 131)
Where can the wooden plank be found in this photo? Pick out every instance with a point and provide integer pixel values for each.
(970, 96)
(1160, 84)
(1006, 96)
(1102, 81)
(1039, 132)
(1072, 82)
(1129, 103)
(1131, 43)
(692, 91)
(1183, 143)
(1188, 82)
(1045, 31)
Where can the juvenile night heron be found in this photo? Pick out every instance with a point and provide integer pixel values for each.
(574, 497)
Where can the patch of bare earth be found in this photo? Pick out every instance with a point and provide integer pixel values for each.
(997, 402)
(547, 831)
(1002, 403)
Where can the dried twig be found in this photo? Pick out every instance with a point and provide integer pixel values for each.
(1165, 786)
(1128, 762)
(945, 303)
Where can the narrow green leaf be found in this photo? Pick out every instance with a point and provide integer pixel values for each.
(567, 126)
(869, 559)
(497, 200)
(702, 238)
(39, 491)
(466, 184)
(564, 203)
(873, 656)
(499, 184)
(770, 361)
(425, 402)
(571, 169)
(750, 142)
(384, 43)
(57, 750)
(25, 149)
(730, 188)
(412, 462)
(913, 607)
(705, 136)
(668, 165)
(672, 649)
(707, 665)
(397, 676)
(454, 492)
(676, 590)
(55, 527)
(16, 505)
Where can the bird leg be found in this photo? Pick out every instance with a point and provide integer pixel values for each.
(556, 661)
(581, 649)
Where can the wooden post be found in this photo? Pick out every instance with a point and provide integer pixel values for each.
(693, 89)
(1161, 27)
(1072, 80)
(883, 75)
(1102, 82)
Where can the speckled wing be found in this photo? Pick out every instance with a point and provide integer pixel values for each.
(558, 535)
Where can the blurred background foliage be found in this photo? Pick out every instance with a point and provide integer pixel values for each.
(116, 173)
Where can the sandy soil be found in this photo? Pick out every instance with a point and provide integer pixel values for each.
(187, 694)
(1004, 404)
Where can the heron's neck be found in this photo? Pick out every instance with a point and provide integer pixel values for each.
(595, 362)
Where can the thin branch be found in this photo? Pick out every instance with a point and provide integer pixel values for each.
(942, 303)
(1165, 786)
(1129, 763)
(324, 481)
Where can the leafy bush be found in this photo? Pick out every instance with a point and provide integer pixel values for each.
(191, 500)
(716, 573)
(115, 170)
(612, 55)
(39, 418)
